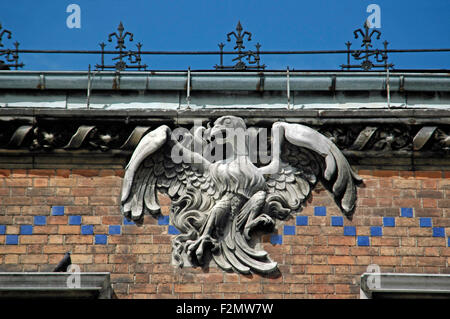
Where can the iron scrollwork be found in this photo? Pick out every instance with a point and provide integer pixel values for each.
(11, 56)
(380, 56)
(253, 57)
(134, 57)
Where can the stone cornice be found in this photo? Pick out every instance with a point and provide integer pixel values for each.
(403, 138)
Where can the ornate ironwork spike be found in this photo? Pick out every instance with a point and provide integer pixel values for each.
(2, 33)
(11, 55)
(134, 57)
(348, 45)
(365, 54)
(252, 57)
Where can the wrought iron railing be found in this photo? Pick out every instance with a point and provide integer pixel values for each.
(366, 58)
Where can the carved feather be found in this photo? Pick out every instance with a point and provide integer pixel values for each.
(309, 156)
(151, 170)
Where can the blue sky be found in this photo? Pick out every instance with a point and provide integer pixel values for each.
(202, 24)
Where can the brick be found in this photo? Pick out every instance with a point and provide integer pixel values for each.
(81, 259)
(16, 200)
(143, 288)
(78, 239)
(103, 200)
(274, 288)
(341, 260)
(301, 259)
(40, 182)
(432, 251)
(318, 269)
(429, 203)
(91, 220)
(85, 172)
(72, 229)
(318, 250)
(5, 172)
(18, 182)
(11, 259)
(55, 249)
(57, 220)
(320, 289)
(381, 241)
(112, 220)
(122, 259)
(405, 183)
(62, 182)
(419, 231)
(33, 239)
(431, 261)
(33, 259)
(341, 241)
(63, 173)
(193, 288)
(163, 278)
(83, 191)
(409, 251)
(444, 203)
(55, 239)
(430, 194)
(13, 249)
(428, 174)
(385, 173)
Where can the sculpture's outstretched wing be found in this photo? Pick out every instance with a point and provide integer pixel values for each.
(152, 169)
(307, 157)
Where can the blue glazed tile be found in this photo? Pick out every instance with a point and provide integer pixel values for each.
(289, 230)
(74, 220)
(40, 220)
(163, 220)
(406, 212)
(58, 210)
(425, 222)
(438, 232)
(128, 222)
(26, 230)
(173, 230)
(389, 221)
(12, 239)
(87, 230)
(320, 211)
(301, 221)
(2, 229)
(337, 221)
(376, 231)
(349, 231)
(363, 241)
(101, 239)
(114, 229)
(276, 239)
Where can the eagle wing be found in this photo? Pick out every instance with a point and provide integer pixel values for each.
(152, 169)
(306, 158)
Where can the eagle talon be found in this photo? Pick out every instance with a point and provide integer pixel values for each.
(198, 246)
(263, 219)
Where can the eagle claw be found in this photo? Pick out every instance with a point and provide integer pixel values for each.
(263, 219)
(198, 247)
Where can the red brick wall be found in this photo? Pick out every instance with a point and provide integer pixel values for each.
(318, 261)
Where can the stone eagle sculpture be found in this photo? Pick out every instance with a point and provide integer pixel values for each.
(219, 205)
